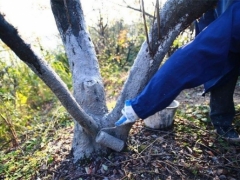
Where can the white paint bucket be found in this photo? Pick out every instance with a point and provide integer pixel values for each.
(162, 119)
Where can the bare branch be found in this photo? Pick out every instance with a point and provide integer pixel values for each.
(145, 27)
(158, 18)
(133, 8)
(139, 10)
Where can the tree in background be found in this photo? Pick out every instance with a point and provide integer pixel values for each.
(88, 103)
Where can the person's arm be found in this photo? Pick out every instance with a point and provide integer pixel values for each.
(194, 64)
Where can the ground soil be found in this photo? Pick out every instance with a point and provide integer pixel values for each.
(188, 150)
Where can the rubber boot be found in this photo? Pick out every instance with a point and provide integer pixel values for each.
(222, 107)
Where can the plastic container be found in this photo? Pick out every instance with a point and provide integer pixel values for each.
(162, 119)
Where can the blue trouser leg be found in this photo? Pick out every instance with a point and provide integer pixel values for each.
(221, 101)
(201, 60)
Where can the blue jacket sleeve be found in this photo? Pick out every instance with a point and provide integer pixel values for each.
(198, 62)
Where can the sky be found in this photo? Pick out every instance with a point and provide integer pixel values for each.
(34, 19)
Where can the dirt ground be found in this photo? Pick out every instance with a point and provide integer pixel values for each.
(194, 96)
(188, 150)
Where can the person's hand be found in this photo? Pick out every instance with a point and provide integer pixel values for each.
(129, 116)
(123, 120)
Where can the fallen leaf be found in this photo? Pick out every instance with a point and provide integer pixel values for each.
(210, 153)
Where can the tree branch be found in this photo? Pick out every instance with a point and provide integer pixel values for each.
(10, 37)
(12, 131)
(158, 18)
(139, 10)
(145, 27)
(133, 8)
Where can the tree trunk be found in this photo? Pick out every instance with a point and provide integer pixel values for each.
(87, 82)
(89, 109)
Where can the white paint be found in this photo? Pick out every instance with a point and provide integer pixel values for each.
(166, 40)
(76, 53)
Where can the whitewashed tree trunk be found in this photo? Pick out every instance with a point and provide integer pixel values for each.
(88, 107)
(87, 82)
(176, 15)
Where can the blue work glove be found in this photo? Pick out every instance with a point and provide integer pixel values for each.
(129, 116)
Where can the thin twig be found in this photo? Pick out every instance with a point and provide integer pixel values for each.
(153, 143)
(135, 9)
(149, 146)
(154, 17)
(12, 131)
(130, 7)
(145, 27)
(158, 18)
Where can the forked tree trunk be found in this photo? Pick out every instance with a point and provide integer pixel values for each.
(88, 106)
(176, 15)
